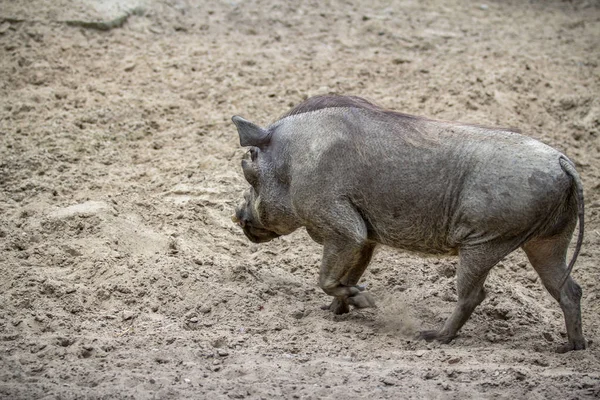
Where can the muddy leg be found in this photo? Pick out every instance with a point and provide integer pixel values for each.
(475, 263)
(339, 305)
(548, 257)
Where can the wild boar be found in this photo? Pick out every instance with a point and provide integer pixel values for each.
(356, 175)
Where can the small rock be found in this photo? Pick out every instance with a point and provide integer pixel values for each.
(65, 342)
(205, 309)
(388, 381)
(222, 353)
(127, 315)
(520, 376)
(154, 307)
(447, 271)
(454, 360)
(541, 362)
(298, 314)
(447, 296)
(548, 336)
(130, 67)
(532, 276)
(484, 7)
(420, 353)
(102, 294)
(430, 375)
(60, 95)
(73, 251)
(398, 61)
(4, 27)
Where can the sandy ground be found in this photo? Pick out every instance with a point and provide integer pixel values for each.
(122, 274)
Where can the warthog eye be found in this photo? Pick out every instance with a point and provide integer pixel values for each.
(253, 153)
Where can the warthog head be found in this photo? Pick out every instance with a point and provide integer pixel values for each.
(247, 216)
(266, 212)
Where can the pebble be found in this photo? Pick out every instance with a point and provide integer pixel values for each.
(388, 382)
(127, 315)
(205, 309)
(61, 94)
(548, 336)
(298, 314)
(222, 353)
(65, 342)
(532, 276)
(4, 27)
(430, 375)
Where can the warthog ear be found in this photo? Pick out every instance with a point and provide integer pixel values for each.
(250, 134)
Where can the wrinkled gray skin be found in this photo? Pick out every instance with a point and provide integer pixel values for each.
(356, 175)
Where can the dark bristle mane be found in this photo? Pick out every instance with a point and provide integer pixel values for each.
(321, 102)
(330, 101)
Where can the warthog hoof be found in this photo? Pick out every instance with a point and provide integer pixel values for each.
(361, 300)
(337, 306)
(342, 306)
(435, 335)
(570, 346)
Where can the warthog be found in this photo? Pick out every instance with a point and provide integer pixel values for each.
(357, 175)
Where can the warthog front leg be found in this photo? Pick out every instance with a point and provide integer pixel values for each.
(341, 305)
(346, 254)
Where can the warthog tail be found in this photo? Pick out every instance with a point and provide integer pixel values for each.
(568, 167)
